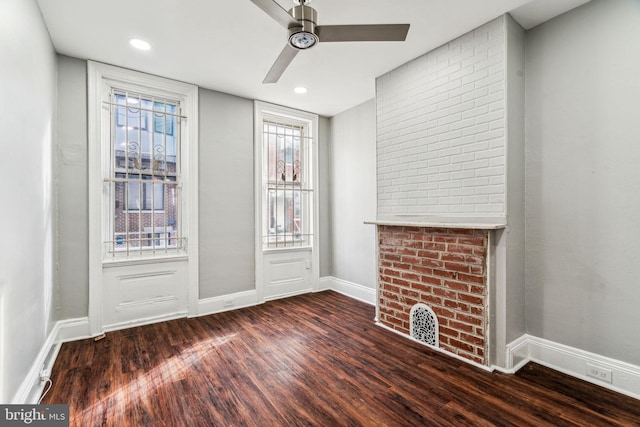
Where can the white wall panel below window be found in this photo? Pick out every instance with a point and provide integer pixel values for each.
(144, 293)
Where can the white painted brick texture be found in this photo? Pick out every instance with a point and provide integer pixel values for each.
(441, 129)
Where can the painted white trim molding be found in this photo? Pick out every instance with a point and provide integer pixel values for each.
(227, 302)
(350, 289)
(62, 331)
(32, 385)
(143, 321)
(625, 377)
(73, 329)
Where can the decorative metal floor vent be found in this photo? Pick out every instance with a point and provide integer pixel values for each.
(424, 324)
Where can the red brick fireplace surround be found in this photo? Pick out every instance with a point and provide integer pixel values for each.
(444, 268)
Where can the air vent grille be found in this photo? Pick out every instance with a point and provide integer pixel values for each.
(424, 324)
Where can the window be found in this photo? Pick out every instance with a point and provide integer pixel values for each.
(144, 173)
(286, 154)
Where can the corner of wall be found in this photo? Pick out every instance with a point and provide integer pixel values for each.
(350, 289)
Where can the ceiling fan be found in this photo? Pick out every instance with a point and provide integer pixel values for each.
(301, 21)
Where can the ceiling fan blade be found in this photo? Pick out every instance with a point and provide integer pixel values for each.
(274, 10)
(281, 64)
(363, 33)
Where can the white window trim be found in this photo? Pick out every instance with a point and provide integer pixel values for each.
(260, 109)
(98, 75)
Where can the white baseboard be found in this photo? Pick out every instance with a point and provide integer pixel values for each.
(227, 302)
(625, 377)
(32, 386)
(73, 329)
(350, 289)
(287, 295)
(62, 331)
(144, 321)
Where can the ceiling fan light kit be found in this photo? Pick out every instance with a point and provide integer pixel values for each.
(304, 33)
(303, 36)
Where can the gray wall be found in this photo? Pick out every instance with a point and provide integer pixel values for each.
(324, 195)
(353, 195)
(73, 204)
(226, 194)
(227, 226)
(27, 118)
(515, 199)
(582, 179)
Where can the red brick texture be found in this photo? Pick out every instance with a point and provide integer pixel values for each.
(444, 269)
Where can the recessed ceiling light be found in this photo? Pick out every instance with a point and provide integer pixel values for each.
(300, 90)
(140, 44)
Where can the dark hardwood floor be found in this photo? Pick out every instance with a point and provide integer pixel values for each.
(315, 360)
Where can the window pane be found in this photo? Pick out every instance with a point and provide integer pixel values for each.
(134, 196)
(158, 196)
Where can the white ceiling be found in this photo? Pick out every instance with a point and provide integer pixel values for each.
(229, 45)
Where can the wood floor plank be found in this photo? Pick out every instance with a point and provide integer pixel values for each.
(315, 359)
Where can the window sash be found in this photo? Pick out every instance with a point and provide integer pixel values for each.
(144, 176)
(287, 200)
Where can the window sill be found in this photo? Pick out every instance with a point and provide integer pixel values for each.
(288, 249)
(144, 259)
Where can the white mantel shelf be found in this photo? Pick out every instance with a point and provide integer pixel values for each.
(466, 223)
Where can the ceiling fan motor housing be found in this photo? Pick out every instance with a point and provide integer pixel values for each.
(302, 35)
